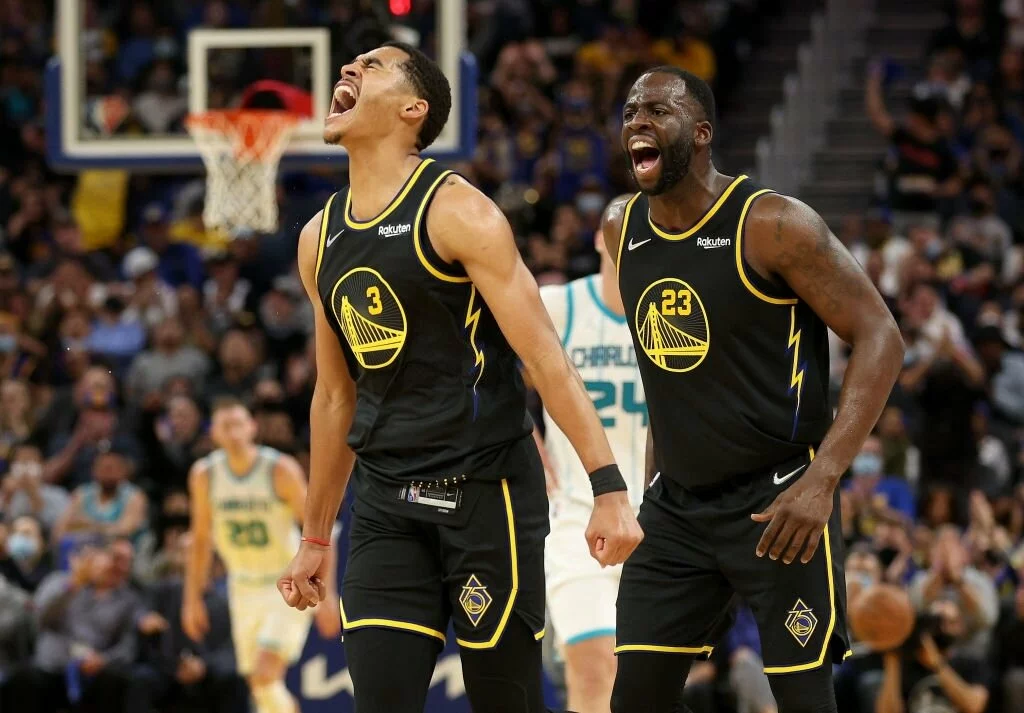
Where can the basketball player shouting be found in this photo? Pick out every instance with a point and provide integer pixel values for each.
(422, 306)
(729, 290)
(581, 594)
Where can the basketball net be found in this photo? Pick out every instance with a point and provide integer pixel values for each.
(241, 149)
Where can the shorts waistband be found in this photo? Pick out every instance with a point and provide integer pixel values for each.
(742, 480)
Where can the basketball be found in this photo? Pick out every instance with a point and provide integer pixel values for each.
(882, 617)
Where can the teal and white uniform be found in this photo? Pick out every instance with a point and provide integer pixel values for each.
(256, 536)
(581, 595)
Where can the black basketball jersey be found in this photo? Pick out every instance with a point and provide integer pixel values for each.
(438, 389)
(735, 368)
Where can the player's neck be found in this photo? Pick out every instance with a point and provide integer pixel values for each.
(240, 462)
(376, 174)
(678, 208)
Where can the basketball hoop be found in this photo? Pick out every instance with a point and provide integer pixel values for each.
(241, 149)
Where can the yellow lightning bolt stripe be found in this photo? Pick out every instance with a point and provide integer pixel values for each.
(797, 379)
(472, 322)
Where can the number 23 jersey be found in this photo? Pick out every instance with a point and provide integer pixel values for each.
(735, 366)
(598, 343)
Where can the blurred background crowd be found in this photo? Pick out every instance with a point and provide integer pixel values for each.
(122, 317)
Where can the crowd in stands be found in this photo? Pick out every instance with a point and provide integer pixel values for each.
(122, 317)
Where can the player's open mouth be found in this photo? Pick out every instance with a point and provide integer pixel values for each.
(344, 98)
(645, 155)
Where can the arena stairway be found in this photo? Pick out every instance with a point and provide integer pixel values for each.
(750, 102)
(845, 169)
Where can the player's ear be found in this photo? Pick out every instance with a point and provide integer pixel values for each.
(415, 110)
(702, 133)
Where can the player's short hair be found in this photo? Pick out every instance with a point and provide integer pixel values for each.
(695, 87)
(222, 403)
(430, 84)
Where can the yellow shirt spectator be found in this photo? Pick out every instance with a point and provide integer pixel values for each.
(98, 205)
(689, 53)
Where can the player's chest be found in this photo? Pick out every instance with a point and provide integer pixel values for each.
(688, 284)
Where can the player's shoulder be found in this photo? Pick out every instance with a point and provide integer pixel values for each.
(202, 470)
(613, 220)
(461, 202)
(777, 213)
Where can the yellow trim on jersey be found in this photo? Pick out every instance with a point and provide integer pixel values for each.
(387, 624)
(622, 230)
(796, 380)
(395, 202)
(707, 216)
(540, 634)
(416, 236)
(652, 648)
(514, 556)
(471, 323)
(832, 615)
(323, 238)
(739, 256)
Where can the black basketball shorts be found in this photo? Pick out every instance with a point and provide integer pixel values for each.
(697, 560)
(415, 566)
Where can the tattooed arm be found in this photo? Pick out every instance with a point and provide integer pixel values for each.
(788, 242)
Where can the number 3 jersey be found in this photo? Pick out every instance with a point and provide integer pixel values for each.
(598, 343)
(438, 390)
(735, 366)
(254, 531)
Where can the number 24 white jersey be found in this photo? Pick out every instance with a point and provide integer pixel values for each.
(599, 344)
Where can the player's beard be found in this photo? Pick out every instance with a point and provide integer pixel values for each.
(675, 162)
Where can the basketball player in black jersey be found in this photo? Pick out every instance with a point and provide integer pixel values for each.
(423, 311)
(729, 290)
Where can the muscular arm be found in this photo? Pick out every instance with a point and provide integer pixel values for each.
(788, 240)
(332, 407)
(493, 263)
(290, 485)
(200, 554)
(467, 227)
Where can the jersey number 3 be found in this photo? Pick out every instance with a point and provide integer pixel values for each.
(605, 396)
(247, 534)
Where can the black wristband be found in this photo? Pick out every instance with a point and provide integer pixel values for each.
(607, 480)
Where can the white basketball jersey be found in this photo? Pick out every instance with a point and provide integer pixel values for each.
(255, 532)
(599, 344)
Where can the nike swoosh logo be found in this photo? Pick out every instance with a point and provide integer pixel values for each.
(779, 481)
(334, 237)
(634, 246)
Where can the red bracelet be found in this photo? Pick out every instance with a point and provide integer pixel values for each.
(316, 541)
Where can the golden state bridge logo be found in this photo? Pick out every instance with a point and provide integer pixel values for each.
(801, 622)
(474, 599)
(370, 317)
(672, 326)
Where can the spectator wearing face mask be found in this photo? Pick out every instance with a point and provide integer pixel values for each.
(87, 640)
(875, 495)
(24, 561)
(24, 492)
